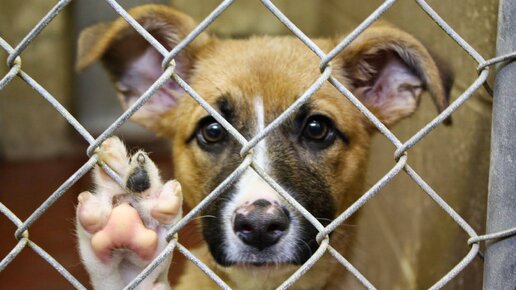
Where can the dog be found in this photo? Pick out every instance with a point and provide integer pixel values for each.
(252, 237)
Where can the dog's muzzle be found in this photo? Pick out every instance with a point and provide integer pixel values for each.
(261, 224)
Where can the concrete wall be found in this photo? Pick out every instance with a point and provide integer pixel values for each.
(29, 127)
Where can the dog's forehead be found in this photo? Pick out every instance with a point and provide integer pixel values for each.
(275, 69)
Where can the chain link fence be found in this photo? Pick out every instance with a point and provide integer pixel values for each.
(14, 62)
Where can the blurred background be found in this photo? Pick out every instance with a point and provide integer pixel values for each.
(405, 241)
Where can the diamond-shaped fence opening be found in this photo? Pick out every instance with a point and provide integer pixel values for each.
(401, 166)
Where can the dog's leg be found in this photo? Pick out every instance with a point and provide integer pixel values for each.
(121, 230)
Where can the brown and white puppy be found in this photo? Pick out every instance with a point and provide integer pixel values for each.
(253, 239)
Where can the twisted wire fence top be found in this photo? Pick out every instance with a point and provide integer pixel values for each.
(14, 62)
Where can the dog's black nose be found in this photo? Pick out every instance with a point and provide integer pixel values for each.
(261, 224)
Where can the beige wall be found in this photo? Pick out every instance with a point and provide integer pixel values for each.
(29, 126)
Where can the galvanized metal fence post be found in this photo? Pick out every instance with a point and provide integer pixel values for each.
(500, 258)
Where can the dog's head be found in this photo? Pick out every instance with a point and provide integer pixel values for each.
(318, 155)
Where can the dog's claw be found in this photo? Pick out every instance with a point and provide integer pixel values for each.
(91, 212)
(168, 204)
(113, 153)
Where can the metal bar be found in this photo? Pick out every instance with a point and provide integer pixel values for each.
(55, 264)
(354, 271)
(55, 196)
(289, 111)
(292, 27)
(138, 27)
(457, 218)
(196, 31)
(365, 111)
(429, 127)
(13, 254)
(364, 198)
(447, 28)
(212, 196)
(15, 69)
(206, 106)
(165, 254)
(457, 269)
(36, 30)
(356, 32)
(202, 267)
(132, 109)
(55, 103)
(285, 195)
(307, 265)
(500, 255)
(21, 243)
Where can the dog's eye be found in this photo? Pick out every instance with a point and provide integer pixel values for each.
(210, 132)
(315, 129)
(318, 132)
(213, 132)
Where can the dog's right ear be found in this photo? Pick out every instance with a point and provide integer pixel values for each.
(388, 70)
(134, 65)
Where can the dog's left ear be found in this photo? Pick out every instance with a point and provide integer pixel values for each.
(134, 65)
(388, 69)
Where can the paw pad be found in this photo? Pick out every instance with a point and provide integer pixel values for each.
(124, 229)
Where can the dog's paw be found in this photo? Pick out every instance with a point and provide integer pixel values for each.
(122, 228)
(92, 213)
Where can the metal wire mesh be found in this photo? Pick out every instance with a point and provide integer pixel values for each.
(15, 64)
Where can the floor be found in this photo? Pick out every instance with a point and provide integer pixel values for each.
(25, 185)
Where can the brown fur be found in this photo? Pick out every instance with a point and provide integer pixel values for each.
(279, 69)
